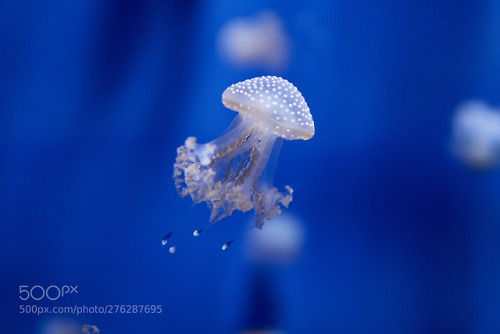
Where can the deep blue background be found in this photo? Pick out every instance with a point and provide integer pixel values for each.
(95, 96)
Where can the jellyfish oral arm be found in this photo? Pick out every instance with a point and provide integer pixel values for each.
(226, 172)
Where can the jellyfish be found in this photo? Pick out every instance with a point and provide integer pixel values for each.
(58, 326)
(476, 135)
(234, 171)
(254, 42)
(279, 244)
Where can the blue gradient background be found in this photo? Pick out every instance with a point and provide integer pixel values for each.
(95, 97)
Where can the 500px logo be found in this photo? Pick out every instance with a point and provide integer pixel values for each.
(52, 292)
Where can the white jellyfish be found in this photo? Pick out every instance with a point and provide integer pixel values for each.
(259, 42)
(476, 135)
(229, 173)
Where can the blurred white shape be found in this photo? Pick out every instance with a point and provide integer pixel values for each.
(254, 42)
(60, 326)
(476, 135)
(280, 241)
(90, 329)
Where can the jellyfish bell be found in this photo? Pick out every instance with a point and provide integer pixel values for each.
(272, 105)
(229, 173)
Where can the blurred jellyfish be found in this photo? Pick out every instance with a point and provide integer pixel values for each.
(90, 329)
(279, 243)
(476, 135)
(257, 42)
(229, 173)
(60, 326)
(274, 247)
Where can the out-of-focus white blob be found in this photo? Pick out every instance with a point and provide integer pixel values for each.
(258, 42)
(279, 243)
(90, 329)
(476, 135)
(60, 326)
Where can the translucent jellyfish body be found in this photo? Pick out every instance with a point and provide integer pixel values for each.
(476, 135)
(231, 172)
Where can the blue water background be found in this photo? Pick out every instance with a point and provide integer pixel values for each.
(95, 97)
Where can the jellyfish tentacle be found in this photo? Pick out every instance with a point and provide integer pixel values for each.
(226, 174)
(269, 201)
